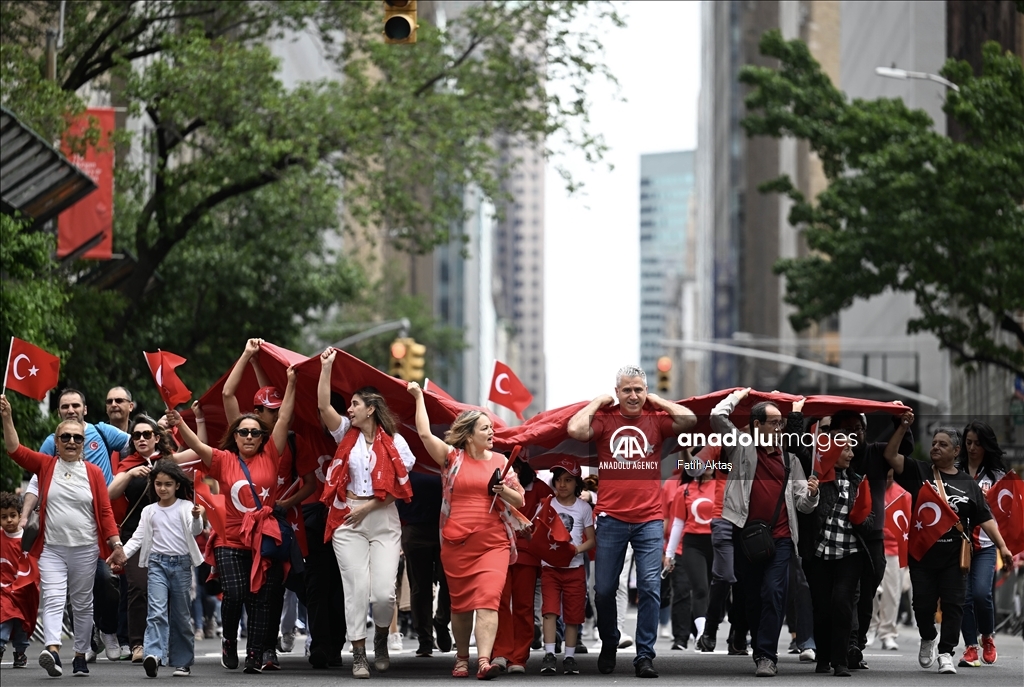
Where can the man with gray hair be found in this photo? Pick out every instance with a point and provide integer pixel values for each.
(628, 439)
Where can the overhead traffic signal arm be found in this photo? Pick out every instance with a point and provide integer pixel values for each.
(400, 21)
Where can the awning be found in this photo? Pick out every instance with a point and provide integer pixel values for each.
(35, 178)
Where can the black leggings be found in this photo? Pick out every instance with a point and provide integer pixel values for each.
(233, 568)
(697, 558)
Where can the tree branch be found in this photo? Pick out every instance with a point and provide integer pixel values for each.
(1009, 324)
(455, 65)
(965, 357)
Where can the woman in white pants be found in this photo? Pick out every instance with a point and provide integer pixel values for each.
(370, 470)
(76, 525)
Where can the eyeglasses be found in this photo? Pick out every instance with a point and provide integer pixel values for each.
(71, 438)
(112, 401)
(246, 432)
(144, 434)
(776, 424)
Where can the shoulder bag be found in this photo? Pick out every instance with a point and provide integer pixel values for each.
(756, 539)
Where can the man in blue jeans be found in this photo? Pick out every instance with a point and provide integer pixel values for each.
(765, 484)
(629, 437)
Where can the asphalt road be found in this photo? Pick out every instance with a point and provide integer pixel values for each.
(886, 668)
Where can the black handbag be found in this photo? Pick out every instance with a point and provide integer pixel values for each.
(268, 547)
(756, 539)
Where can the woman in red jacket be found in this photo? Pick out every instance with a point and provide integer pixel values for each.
(76, 525)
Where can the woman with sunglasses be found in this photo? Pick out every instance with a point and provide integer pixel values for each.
(247, 460)
(149, 443)
(76, 525)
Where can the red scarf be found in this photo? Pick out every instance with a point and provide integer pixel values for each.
(388, 476)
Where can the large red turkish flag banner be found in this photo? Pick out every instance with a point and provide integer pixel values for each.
(30, 370)
(932, 518)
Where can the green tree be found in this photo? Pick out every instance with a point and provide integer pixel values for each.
(222, 218)
(32, 300)
(906, 208)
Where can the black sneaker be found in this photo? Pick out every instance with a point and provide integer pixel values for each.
(151, 664)
(270, 660)
(793, 648)
(20, 660)
(678, 646)
(645, 668)
(318, 658)
(706, 644)
(854, 657)
(581, 648)
(443, 637)
(253, 663)
(548, 666)
(79, 666)
(537, 643)
(50, 662)
(606, 659)
(229, 653)
(183, 671)
(569, 666)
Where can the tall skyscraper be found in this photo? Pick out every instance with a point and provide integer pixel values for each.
(666, 197)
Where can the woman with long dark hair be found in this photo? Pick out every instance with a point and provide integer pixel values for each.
(369, 472)
(246, 462)
(149, 443)
(478, 528)
(982, 459)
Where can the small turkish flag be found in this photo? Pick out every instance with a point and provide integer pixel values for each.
(861, 508)
(213, 503)
(932, 518)
(826, 452)
(550, 541)
(897, 524)
(1006, 499)
(172, 390)
(508, 391)
(30, 370)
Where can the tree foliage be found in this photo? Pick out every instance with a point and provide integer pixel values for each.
(235, 179)
(906, 208)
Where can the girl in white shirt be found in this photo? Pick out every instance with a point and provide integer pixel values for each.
(166, 544)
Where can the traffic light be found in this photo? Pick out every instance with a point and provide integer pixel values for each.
(664, 374)
(400, 21)
(407, 359)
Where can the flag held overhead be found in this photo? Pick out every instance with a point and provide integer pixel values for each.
(172, 390)
(30, 370)
(508, 391)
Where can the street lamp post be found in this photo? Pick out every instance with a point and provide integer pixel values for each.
(893, 73)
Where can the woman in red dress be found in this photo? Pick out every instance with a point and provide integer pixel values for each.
(477, 541)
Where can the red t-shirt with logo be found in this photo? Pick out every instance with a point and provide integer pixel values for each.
(693, 504)
(764, 492)
(629, 463)
(263, 467)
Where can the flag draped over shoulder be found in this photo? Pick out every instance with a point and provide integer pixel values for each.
(1006, 499)
(932, 518)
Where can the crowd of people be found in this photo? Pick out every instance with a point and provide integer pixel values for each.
(749, 531)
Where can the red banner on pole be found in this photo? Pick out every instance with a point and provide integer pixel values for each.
(94, 214)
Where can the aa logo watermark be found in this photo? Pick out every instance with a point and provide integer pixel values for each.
(629, 444)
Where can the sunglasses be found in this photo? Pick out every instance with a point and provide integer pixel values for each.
(246, 432)
(112, 401)
(144, 434)
(72, 438)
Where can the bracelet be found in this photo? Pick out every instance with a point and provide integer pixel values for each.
(117, 544)
(200, 421)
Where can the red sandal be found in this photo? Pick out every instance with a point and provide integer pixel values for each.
(461, 668)
(485, 670)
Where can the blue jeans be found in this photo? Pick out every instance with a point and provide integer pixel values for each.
(168, 633)
(979, 613)
(13, 631)
(765, 590)
(647, 541)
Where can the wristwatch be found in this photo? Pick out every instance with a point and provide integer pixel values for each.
(117, 543)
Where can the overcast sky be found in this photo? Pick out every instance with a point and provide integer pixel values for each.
(592, 256)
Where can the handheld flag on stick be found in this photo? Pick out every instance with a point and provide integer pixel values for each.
(172, 390)
(30, 370)
(508, 391)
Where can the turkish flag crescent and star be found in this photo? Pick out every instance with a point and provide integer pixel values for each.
(31, 370)
(932, 519)
(1006, 499)
(172, 390)
(895, 512)
(550, 541)
(508, 391)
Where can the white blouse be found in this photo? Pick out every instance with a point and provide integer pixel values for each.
(362, 460)
(70, 520)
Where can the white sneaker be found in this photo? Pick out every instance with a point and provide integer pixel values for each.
(946, 664)
(286, 643)
(90, 655)
(666, 631)
(625, 641)
(808, 655)
(889, 644)
(113, 647)
(926, 656)
(395, 641)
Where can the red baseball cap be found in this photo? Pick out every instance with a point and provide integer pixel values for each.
(268, 397)
(569, 465)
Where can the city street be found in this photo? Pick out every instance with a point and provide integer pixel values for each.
(888, 668)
